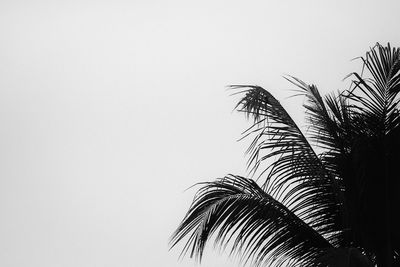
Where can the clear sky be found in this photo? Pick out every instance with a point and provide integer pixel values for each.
(109, 110)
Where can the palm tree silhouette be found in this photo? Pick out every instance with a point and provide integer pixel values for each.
(331, 199)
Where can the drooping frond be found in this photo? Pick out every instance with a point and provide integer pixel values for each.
(295, 175)
(236, 210)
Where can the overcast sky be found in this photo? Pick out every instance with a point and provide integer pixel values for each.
(109, 110)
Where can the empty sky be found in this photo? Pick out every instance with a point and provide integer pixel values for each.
(109, 110)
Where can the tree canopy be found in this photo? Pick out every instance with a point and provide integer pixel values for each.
(324, 197)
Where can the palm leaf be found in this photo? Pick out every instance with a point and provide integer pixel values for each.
(376, 96)
(329, 118)
(261, 229)
(296, 176)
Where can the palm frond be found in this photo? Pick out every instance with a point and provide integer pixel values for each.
(328, 118)
(296, 176)
(332, 126)
(376, 96)
(259, 227)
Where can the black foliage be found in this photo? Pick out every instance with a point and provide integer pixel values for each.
(337, 207)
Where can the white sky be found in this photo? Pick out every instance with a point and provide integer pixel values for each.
(109, 110)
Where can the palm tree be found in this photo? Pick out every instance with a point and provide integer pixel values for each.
(328, 199)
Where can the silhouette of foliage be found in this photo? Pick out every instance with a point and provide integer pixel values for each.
(337, 207)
